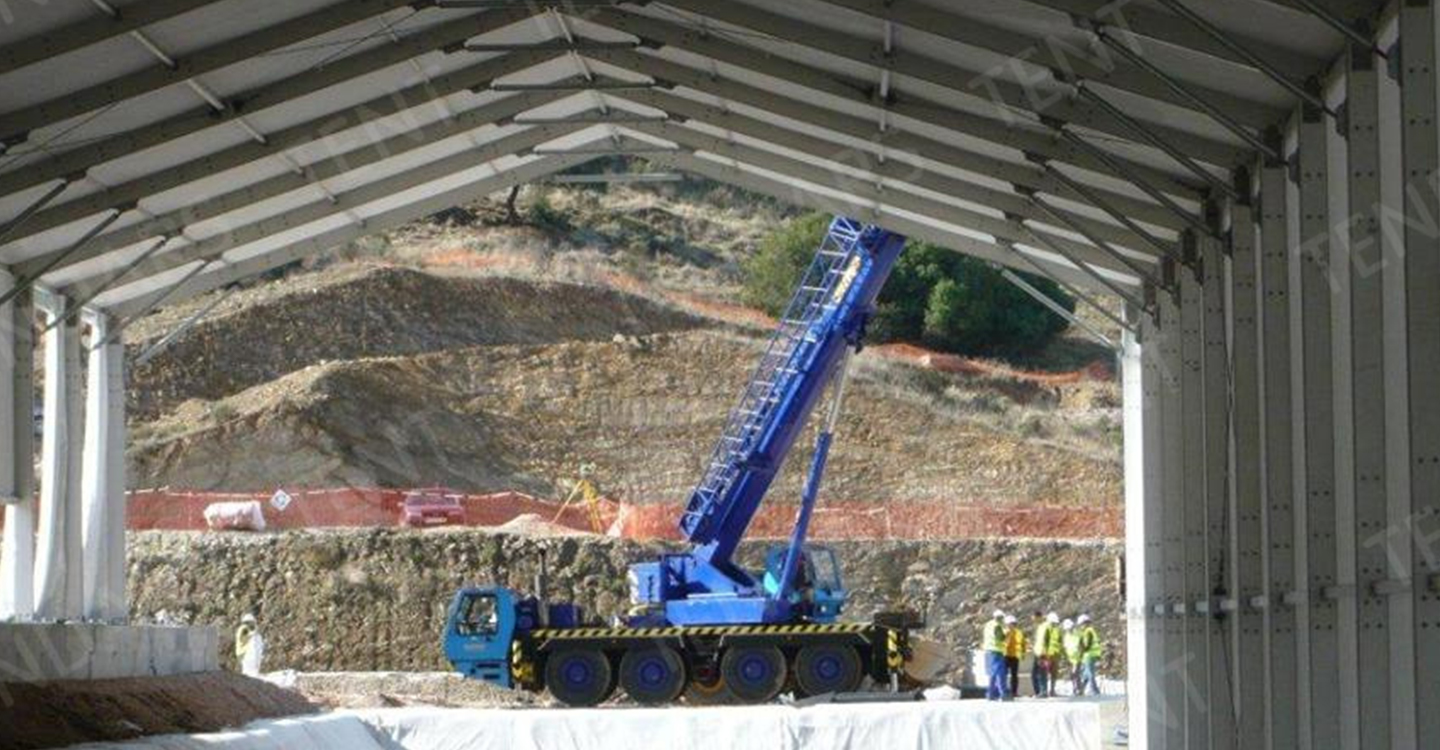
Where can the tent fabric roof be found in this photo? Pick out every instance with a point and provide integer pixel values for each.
(155, 149)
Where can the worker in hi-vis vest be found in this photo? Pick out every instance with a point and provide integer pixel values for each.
(1047, 654)
(1090, 651)
(992, 642)
(1014, 652)
(1072, 653)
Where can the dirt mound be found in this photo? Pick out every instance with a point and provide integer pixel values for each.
(646, 411)
(358, 311)
(56, 714)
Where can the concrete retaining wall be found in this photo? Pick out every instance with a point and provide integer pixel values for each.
(34, 652)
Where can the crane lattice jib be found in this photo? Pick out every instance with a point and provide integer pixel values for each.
(826, 314)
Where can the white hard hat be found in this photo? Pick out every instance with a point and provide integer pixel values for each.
(1069, 624)
(1009, 619)
(248, 618)
(1083, 619)
(998, 614)
(1052, 618)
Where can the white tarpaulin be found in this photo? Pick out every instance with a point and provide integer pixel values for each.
(973, 725)
(943, 725)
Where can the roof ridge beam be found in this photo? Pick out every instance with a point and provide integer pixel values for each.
(1016, 173)
(20, 123)
(72, 165)
(90, 31)
(1004, 97)
(321, 207)
(1013, 133)
(328, 124)
(1065, 65)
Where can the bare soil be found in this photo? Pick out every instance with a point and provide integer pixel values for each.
(56, 714)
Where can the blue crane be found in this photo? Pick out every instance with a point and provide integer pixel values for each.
(701, 622)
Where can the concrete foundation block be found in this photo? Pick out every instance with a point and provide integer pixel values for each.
(34, 652)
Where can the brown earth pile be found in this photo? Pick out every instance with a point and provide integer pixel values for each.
(56, 714)
(376, 599)
(645, 410)
(356, 311)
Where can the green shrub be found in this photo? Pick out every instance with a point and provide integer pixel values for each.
(935, 297)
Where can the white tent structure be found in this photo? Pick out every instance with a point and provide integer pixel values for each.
(1257, 179)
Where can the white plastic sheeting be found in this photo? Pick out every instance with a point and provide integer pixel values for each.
(103, 477)
(58, 574)
(973, 725)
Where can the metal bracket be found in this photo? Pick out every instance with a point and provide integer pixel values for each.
(1390, 587)
(1336, 593)
(1259, 602)
(1229, 604)
(1179, 608)
(1159, 609)
(1292, 598)
(1202, 607)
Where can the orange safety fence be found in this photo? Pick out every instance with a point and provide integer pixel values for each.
(351, 507)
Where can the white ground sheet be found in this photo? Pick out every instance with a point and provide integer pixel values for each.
(972, 725)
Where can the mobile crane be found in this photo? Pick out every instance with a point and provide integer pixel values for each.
(704, 626)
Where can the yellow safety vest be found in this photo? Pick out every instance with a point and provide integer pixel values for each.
(1090, 646)
(1014, 643)
(1042, 638)
(1053, 639)
(994, 637)
(242, 640)
(1072, 646)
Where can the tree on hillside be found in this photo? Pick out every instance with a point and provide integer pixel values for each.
(935, 297)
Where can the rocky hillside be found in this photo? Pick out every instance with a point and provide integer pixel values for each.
(564, 374)
(376, 599)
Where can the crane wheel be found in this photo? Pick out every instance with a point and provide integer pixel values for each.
(653, 675)
(754, 674)
(828, 668)
(579, 676)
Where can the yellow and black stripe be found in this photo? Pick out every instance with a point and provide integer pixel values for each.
(696, 630)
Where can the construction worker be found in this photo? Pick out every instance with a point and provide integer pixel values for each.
(992, 642)
(1072, 652)
(1014, 651)
(1090, 651)
(1038, 676)
(249, 646)
(1051, 648)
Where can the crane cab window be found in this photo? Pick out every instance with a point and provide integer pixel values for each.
(479, 615)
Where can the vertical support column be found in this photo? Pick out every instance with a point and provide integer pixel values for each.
(1215, 602)
(1195, 586)
(1154, 404)
(103, 483)
(58, 582)
(17, 430)
(1367, 382)
(1422, 294)
(1134, 381)
(1317, 409)
(1172, 442)
(1247, 501)
(1277, 461)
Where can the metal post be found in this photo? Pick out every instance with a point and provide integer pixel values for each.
(1147, 684)
(103, 481)
(1195, 587)
(1175, 665)
(17, 482)
(1276, 460)
(1219, 601)
(1367, 381)
(58, 581)
(1422, 278)
(1248, 525)
(1316, 413)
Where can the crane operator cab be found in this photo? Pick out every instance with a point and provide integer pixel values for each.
(818, 593)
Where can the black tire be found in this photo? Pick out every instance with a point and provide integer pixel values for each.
(653, 675)
(753, 674)
(579, 676)
(828, 668)
(715, 693)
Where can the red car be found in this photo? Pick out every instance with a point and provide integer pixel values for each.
(432, 507)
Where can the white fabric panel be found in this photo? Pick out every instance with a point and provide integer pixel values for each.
(58, 585)
(337, 731)
(976, 725)
(17, 551)
(103, 482)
